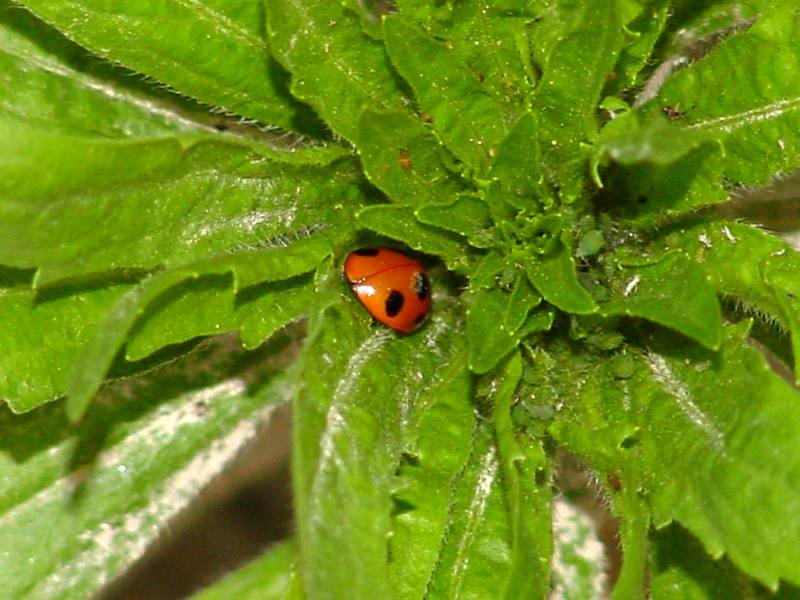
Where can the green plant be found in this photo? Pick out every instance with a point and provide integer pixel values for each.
(170, 171)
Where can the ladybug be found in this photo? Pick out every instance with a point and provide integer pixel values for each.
(392, 287)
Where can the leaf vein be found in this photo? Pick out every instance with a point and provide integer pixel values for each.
(730, 123)
(109, 91)
(225, 24)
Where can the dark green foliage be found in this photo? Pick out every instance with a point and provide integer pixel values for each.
(172, 171)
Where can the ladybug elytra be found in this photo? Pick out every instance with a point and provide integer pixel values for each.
(392, 287)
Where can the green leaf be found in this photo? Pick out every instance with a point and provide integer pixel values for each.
(645, 194)
(681, 568)
(134, 204)
(489, 272)
(27, 146)
(666, 169)
(192, 308)
(142, 204)
(248, 268)
(755, 269)
(400, 223)
(467, 215)
(781, 277)
(476, 560)
(47, 334)
(628, 140)
(268, 577)
(694, 433)
(528, 502)
(723, 480)
(497, 321)
(634, 516)
(574, 71)
(491, 39)
(467, 118)
(218, 55)
(134, 221)
(643, 32)
(538, 321)
(602, 428)
(38, 78)
(403, 157)
(555, 278)
(208, 305)
(517, 165)
(594, 421)
(361, 394)
(673, 292)
(504, 26)
(83, 504)
(266, 307)
(757, 124)
(51, 330)
(369, 15)
(472, 26)
(734, 256)
(437, 454)
(335, 67)
(494, 319)
(522, 299)
(425, 11)
(698, 28)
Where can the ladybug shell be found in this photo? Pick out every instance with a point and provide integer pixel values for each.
(392, 287)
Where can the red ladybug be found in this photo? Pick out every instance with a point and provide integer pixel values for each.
(392, 287)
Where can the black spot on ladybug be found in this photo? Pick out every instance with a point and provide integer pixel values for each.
(367, 252)
(422, 285)
(394, 303)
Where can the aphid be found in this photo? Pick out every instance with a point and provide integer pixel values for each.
(405, 159)
(673, 114)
